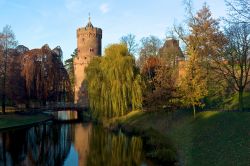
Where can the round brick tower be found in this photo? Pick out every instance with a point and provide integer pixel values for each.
(89, 45)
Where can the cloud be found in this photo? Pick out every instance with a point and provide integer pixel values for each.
(104, 8)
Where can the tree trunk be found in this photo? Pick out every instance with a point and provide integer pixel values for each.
(194, 110)
(4, 91)
(4, 81)
(3, 102)
(241, 104)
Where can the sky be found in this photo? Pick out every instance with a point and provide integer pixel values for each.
(54, 22)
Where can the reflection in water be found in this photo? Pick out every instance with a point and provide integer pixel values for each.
(65, 115)
(114, 150)
(40, 145)
(56, 144)
(81, 141)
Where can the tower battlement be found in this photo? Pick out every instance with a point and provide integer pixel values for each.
(84, 30)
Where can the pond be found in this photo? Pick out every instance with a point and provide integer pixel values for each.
(70, 144)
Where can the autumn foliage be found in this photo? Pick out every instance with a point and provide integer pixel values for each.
(45, 76)
(36, 75)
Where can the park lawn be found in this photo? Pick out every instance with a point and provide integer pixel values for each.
(212, 138)
(17, 120)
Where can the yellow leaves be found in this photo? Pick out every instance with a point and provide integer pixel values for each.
(204, 43)
(116, 49)
(205, 38)
(193, 85)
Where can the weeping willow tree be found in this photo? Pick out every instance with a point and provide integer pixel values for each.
(45, 77)
(114, 83)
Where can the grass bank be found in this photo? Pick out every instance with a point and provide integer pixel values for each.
(158, 147)
(212, 138)
(232, 103)
(12, 120)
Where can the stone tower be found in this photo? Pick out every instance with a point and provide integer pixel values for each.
(89, 45)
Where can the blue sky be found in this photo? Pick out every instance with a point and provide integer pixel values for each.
(37, 22)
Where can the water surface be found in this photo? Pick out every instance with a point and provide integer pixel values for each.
(69, 144)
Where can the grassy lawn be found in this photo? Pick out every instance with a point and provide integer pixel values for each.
(212, 138)
(16, 120)
(232, 102)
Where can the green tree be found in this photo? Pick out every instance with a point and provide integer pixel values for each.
(69, 66)
(7, 42)
(114, 83)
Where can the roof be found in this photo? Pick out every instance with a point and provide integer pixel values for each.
(172, 45)
(89, 25)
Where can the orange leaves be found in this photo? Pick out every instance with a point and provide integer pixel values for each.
(44, 74)
(150, 65)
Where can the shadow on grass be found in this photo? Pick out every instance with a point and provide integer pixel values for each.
(220, 138)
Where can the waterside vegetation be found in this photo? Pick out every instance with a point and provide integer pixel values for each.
(15, 120)
(212, 138)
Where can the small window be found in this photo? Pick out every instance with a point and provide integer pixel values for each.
(91, 50)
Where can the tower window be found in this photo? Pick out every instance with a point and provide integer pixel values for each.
(91, 50)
